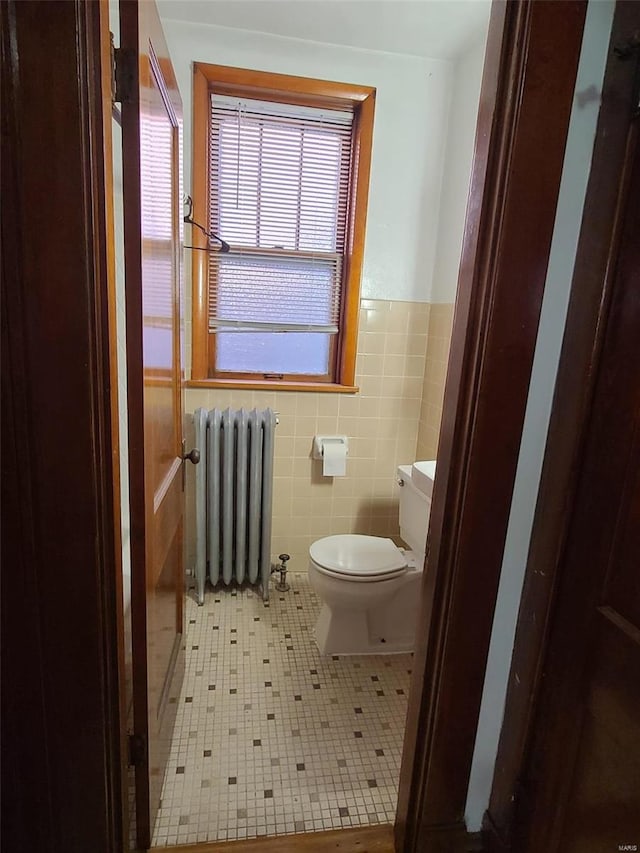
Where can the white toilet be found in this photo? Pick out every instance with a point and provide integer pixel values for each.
(370, 588)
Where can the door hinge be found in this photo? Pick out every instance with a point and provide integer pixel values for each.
(137, 750)
(123, 73)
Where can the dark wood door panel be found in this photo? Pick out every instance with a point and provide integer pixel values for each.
(614, 692)
(622, 588)
(603, 807)
(583, 775)
(564, 474)
(580, 790)
(594, 825)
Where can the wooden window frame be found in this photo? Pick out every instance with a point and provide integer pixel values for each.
(303, 91)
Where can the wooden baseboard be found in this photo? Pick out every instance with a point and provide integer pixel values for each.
(369, 839)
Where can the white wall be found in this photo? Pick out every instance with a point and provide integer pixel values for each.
(461, 131)
(409, 137)
(565, 237)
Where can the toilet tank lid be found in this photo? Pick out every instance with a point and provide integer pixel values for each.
(355, 554)
(423, 474)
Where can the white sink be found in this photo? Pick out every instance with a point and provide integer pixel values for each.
(423, 474)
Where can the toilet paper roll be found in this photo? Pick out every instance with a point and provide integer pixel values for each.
(334, 460)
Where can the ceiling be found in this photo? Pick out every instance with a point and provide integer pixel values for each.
(438, 29)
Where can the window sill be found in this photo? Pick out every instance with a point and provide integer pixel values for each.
(273, 385)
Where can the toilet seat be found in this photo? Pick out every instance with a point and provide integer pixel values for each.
(355, 557)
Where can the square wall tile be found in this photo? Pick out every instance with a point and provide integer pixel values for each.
(401, 369)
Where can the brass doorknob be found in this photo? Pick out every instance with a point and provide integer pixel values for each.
(193, 456)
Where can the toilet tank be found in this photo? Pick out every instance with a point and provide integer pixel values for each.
(415, 508)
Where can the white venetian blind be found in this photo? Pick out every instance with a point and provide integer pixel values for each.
(279, 188)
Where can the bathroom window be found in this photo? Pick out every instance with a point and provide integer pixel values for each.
(280, 173)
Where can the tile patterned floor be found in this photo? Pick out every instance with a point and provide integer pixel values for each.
(272, 738)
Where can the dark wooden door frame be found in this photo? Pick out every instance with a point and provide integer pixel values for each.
(59, 239)
(587, 313)
(527, 93)
(61, 747)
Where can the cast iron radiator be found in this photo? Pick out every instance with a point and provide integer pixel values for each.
(234, 496)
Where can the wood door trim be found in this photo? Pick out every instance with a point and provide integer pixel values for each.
(530, 70)
(62, 784)
(103, 197)
(135, 395)
(588, 306)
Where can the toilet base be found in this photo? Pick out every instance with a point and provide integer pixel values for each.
(349, 632)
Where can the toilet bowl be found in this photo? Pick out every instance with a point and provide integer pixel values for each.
(368, 586)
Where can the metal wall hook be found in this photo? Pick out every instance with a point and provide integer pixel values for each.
(223, 247)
